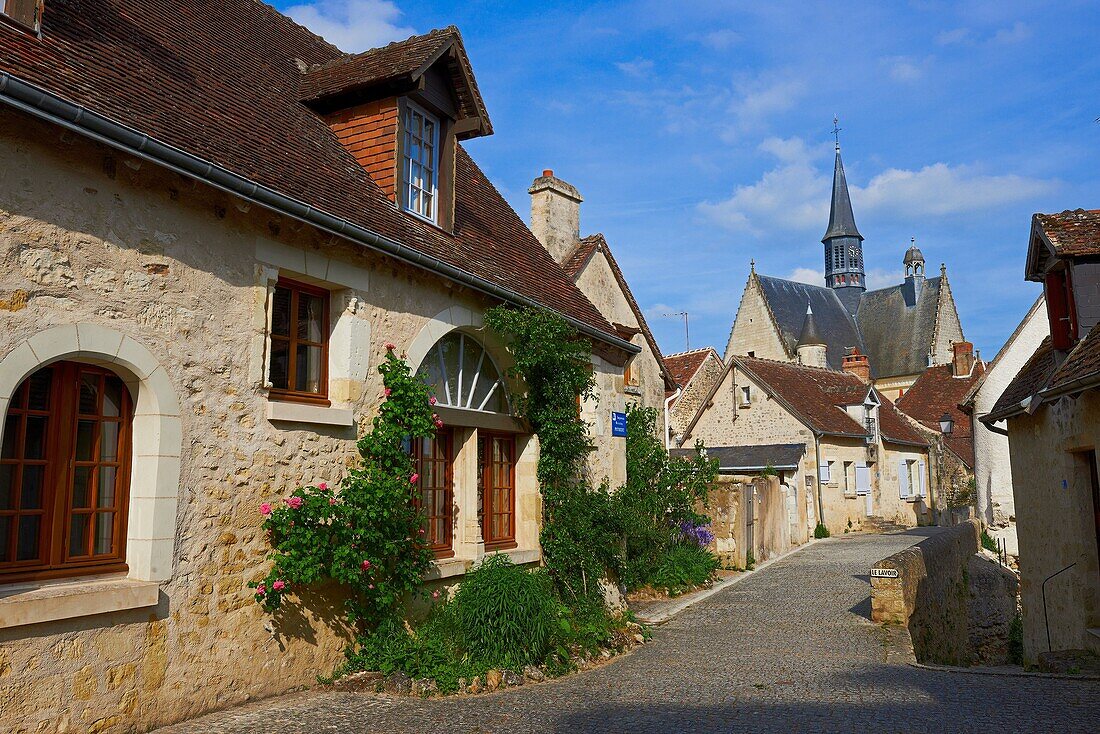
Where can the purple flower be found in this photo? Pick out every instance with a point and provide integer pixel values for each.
(698, 534)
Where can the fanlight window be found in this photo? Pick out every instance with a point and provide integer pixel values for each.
(463, 375)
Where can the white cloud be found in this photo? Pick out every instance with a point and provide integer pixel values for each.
(957, 35)
(352, 25)
(639, 68)
(879, 278)
(905, 68)
(807, 275)
(756, 100)
(1018, 32)
(722, 38)
(794, 195)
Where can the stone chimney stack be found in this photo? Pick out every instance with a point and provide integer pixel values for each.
(858, 365)
(962, 358)
(555, 214)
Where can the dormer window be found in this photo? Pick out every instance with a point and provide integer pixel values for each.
(27, 13)
(420, 162)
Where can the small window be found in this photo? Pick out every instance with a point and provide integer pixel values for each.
(24, 12)
(434, 465)
(746, 395)
(849, 476)
(825, 471)
(497, 467)
(420, 162)
(461, 374)
(299, 342)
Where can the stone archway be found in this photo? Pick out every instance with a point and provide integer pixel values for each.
(157, 431)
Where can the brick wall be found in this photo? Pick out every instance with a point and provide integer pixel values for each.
(369, 132)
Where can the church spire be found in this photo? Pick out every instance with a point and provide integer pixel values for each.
(843, 242)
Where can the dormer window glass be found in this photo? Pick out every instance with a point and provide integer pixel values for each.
(420, 162)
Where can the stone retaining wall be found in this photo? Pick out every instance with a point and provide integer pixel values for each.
(728, 507)
(956, 604)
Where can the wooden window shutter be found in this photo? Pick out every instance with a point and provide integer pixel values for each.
(823, 472)
(863, 479)
(923, 480)
(903, 478)
(1060, 310)
(25, 12)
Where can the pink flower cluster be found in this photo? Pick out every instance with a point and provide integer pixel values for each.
(437, 420)
(414, 479)
(278, 586)
(293, 502)
(365, 565)
(265, 508)
(260, 590)
(390, 346)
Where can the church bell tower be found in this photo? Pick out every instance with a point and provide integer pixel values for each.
(843, 242)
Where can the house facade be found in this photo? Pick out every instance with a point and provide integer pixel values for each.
(903, 329)
(204, 264)
(858, 460)
(1052, 412)
(992, 467)
(694, 373)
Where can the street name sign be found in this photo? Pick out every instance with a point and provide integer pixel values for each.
(884, 573)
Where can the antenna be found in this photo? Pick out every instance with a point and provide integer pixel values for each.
(684, 315)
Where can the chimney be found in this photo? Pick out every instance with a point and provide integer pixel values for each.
(858, 365)
(962, 358)
(555, 214)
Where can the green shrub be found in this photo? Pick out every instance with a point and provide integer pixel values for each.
(684, 566)
(821, 531)
(504, 615)
(750, 560)
(989, 543)
(1016, 640)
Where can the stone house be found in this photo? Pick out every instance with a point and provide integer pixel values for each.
(935, 395)
(992, 468)
(903, 329)
(694, 373)
(855, 458)
(555, 221)
(1052, 409)
(211, 224)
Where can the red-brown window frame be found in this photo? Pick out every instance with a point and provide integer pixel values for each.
(441, 548)
(63, 420)
(276, 393)
(487, 508)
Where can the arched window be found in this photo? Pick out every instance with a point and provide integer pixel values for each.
(463, 375)
(65, 473)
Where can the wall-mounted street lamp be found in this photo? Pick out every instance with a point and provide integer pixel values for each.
(947, 424)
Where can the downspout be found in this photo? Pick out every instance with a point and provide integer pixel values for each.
(46, 106)
(817, 479)
(668, 426)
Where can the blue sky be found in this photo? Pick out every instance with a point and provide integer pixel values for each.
(699, 133)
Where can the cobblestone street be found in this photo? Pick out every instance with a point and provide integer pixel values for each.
(787, 649)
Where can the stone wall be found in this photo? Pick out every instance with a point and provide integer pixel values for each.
(956, 605)
(753, 328)
(687, 405)
(728, 505)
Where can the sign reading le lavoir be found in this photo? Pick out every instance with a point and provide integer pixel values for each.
(884, 573)
(618, 424)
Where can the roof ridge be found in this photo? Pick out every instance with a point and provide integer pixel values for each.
(348, 56)
(691, 351)
(795, 365)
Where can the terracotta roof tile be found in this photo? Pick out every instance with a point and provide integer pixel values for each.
(684, 365)
(1032, 377)
(1073, 233)
(220, 82)
(938, 391)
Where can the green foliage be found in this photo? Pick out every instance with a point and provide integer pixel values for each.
(750, 560)
(769, 471)
(821, 531)
(432, 651)
(578, 536)
(684, 566)
(504, 615)
(660, 495)
(1016, 640)
(989, 543)
(366, 537)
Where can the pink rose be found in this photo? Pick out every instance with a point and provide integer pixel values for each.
(432, 400)
(435, 594)
(260, 590)
(435, 416)
(421, 531)
(387, 392)
(365, 564)
(390, 346)
(332, 500)
(278, 586)
(370, 586)
(414, 479)
(265, 509)
(294, 502)
(439, 424)
(323, 486)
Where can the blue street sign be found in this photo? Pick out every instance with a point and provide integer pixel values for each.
(618, 424)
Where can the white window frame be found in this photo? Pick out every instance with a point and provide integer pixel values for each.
(746, 396)
(412, 109)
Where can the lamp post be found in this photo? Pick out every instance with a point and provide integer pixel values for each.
(947, 424)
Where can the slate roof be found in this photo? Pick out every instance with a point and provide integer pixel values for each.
(747, 458)
(575, 263)
(896, 337)
(220, 81)
(788, 299)
(938, 391)
(815, 393)
(842, 222)
(684, 365)
(1072, 233)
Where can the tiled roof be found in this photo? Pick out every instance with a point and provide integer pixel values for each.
(1072, 233)
(574, 264)
(219, 81)
(399, 62)
(788, 299)
(938, 391)
(748, 458)
(1032, 377)
(684, 365)
(893, 425)
(1082, 363)
(896, 336)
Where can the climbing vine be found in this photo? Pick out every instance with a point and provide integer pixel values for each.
(368, 536)
(579, 533)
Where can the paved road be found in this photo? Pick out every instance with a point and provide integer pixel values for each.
(788, 649)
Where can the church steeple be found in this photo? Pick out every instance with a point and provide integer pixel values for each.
(843, 242)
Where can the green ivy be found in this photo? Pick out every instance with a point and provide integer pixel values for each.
(367, 538)
(578, 536)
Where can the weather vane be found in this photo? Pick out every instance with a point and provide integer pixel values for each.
(836, 131)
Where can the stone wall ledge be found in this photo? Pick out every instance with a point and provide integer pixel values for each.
(287, 412)
(33, 603)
